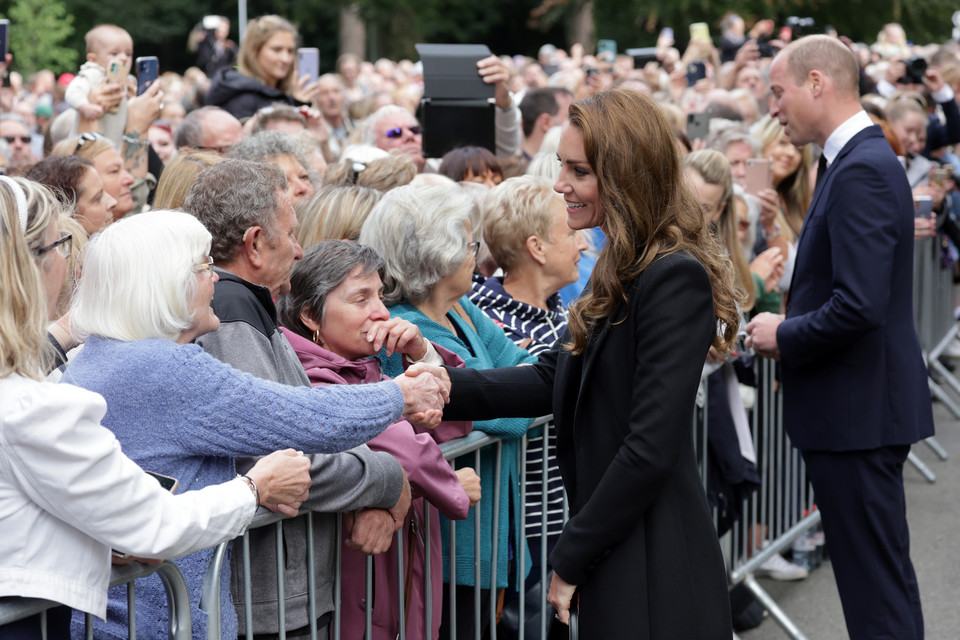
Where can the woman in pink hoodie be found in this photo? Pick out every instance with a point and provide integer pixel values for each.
(335, 321)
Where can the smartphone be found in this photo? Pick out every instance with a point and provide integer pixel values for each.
(698, 125)
(759, 176)
(148, 69)
(607, 50)
(666, 34)
(696, 71)
(4, 38)
(117, 72)
(308, 63)
(210, 23)
(941, 174)
(700, 31)
(922, 206)
(168, 483)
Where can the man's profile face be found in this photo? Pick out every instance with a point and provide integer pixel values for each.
(280, 249)
(790, 103)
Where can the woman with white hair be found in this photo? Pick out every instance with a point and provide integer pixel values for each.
(144, 297)
(69, 492)
(426, 240)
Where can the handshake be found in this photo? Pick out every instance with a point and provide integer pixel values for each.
(426, 388)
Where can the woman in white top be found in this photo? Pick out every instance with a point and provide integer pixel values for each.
(67, 492)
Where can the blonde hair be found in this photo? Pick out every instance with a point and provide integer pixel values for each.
(68, 224)
(82, 147)
(712, 166)
(335, 213)
(23, 312)
(514, 210)
(382, 174)
(259, 30)
(794, 190)
(179, 176)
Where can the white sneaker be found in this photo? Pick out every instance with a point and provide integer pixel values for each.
(778, 568)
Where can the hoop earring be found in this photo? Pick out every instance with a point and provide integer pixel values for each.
(316, 337)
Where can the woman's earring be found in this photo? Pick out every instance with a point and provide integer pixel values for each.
(316, 336)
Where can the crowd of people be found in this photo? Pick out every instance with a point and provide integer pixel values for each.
(205, 265)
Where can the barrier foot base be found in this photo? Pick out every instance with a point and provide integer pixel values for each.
(944, 398)
(945, 376)
(770, 605)
(919, 465)
(937, 448)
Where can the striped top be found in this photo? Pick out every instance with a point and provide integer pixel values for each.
(536, 330)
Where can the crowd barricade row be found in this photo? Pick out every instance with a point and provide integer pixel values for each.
(781, 510)
(934, 301)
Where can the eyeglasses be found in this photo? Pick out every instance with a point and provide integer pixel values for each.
(13, 139)
(396, 132)
(84, 139)
(356, 169)
(474, 248)
(218, 150)
(63, 246)
(206, 265)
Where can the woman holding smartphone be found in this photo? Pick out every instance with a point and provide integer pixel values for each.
(266, 71)
(640, 548)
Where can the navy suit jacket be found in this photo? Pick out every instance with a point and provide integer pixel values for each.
(853, 374)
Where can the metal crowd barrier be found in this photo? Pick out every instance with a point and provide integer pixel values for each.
(934, 300)
(178, 599)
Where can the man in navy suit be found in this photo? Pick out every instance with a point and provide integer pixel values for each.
(854, 382)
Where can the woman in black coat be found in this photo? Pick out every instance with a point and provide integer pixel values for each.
(639, 551)
(266, 73)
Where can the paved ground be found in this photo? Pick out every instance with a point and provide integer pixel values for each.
(934, 515)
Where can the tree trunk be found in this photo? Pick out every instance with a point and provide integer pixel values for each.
(353, 32)
(581, 24)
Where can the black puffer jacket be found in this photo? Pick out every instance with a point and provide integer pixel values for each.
(242, 95)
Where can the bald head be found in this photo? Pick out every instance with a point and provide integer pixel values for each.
(827, 55)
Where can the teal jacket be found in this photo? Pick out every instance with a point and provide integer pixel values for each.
(492, 349)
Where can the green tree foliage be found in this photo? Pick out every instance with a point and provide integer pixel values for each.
(38, 30)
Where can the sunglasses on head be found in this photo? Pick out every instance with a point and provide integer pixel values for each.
(396, 132)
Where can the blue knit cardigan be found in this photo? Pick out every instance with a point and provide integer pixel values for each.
(178, 411)
(492, 349)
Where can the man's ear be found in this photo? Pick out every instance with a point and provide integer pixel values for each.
(544, 122)
(254, 241)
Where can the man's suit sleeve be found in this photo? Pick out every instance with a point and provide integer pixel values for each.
(864, 223)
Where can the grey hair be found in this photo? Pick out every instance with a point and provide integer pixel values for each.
(736, 133)
(419, 231)
(263, 146)
(323, 267)
(190, 131)
(366, 133)
(232, 196)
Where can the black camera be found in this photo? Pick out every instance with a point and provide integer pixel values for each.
(916, 69)
(800, 27)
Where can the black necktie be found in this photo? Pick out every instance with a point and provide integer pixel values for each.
(821, 169)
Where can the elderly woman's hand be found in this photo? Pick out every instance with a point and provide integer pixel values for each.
(423, 399)
(470, 482)
(398, 336)
(282, 479)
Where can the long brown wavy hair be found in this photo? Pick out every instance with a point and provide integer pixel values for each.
(648, 210)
